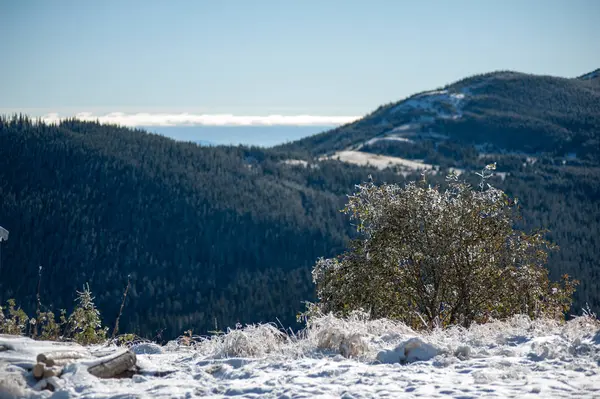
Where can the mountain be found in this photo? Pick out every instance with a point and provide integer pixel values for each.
(593, 76)
(495, 112)
(212, 236)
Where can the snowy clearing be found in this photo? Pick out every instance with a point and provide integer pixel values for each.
(390, 138)
(378, 161)
(441, 102)
(295, 162)
(518, 358)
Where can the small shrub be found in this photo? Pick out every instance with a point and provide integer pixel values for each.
(49, 328)
(15, 321)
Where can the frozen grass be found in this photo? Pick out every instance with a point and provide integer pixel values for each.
(256, 340)
(362, 338)
(377, 161)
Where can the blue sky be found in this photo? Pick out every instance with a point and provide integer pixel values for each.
(264, 57)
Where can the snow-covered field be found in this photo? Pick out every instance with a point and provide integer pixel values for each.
(378, 161)
(517, 359)
(440, 102)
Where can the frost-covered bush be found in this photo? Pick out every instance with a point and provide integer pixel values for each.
(253, 340)
(15, 320)
(431, 257)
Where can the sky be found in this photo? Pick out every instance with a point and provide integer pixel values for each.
(230, 62)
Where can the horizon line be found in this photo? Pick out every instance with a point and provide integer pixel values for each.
(190, 119)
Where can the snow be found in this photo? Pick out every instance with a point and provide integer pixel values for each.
(413, 350)
(391, 138)
(517, 358)
(295, 162)
(432, 102)
(378, 161)
(405, 127)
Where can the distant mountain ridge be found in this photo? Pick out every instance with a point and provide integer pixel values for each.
(499, 111)
(594, 75)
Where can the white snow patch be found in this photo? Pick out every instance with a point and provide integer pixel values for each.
(436, 102)
(375, 160)
(389, 138)
(295, 162)
(412, 350)
(405, 127)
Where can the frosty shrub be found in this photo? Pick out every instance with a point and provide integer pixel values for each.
(432, 257)
(84, 323)
(15, 320)
(49, 328)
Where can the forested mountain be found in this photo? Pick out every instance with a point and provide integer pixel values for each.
(229, 234)
(208, 234)
(506, 111)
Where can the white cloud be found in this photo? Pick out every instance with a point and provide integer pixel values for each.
(187, 119)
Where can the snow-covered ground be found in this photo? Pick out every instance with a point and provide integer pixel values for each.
(518, 358)
(295, 162)
(378, 161)
(442, 103)
(390, 138)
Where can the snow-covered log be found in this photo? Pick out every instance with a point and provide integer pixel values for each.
(113, 365)
(60, 358)
(40, 370)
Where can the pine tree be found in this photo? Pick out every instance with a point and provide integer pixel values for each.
(84, 323)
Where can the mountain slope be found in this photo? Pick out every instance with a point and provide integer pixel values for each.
(208, 235)
(504, 111)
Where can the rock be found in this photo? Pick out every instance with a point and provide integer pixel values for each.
(146, 348)
(60, 358)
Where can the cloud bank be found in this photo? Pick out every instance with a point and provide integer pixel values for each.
(187, 119)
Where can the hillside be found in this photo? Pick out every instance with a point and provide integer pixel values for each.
(493, 113)
(209, 235)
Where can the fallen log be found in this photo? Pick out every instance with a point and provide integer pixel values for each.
(52, 371)
(60, 358)
(113, 365)
(40, 370)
